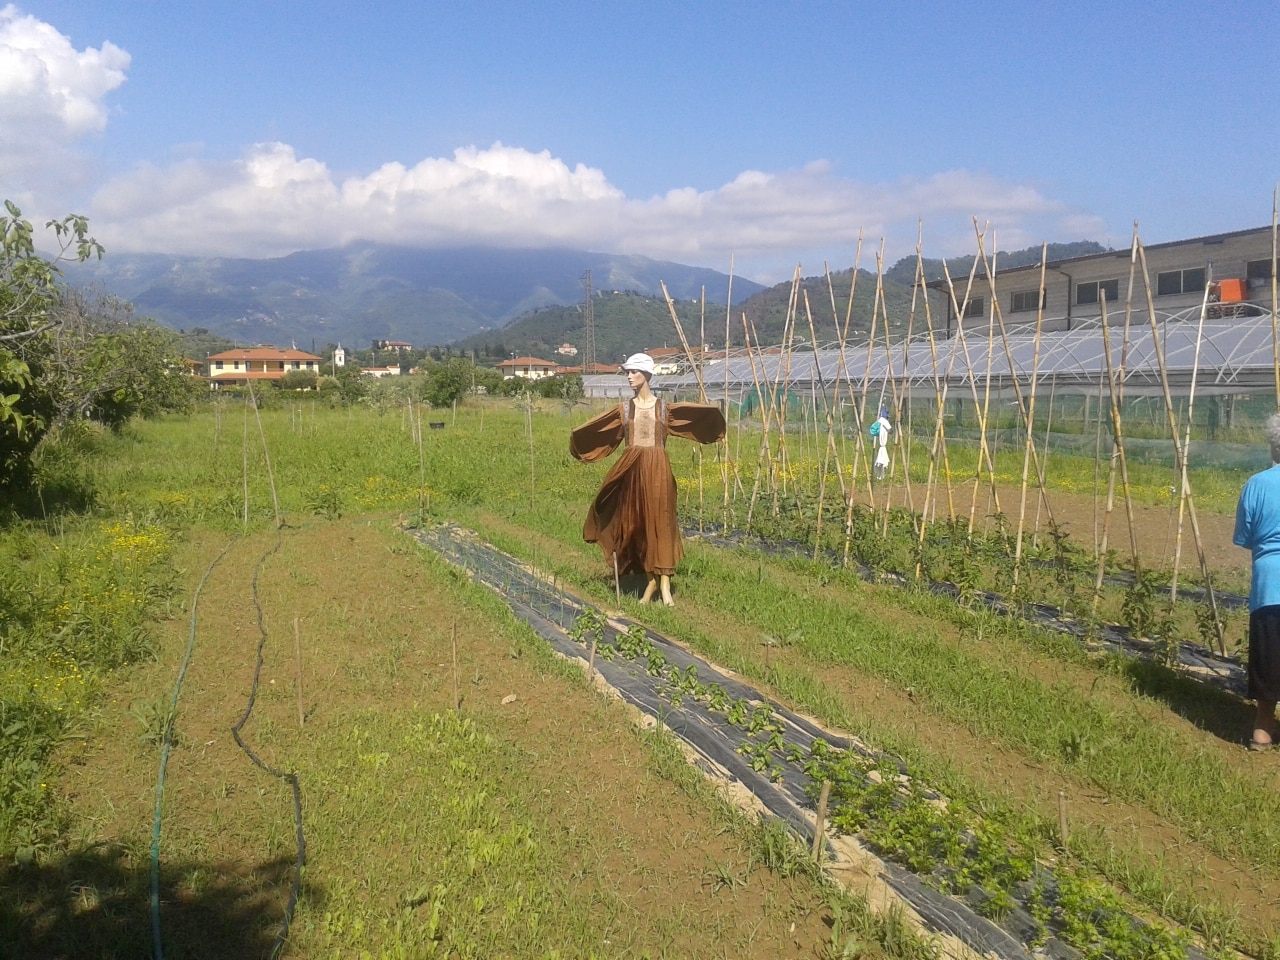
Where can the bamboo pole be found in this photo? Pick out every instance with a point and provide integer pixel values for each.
(782, 382)
(297, 648)
(1017, 388)
(892, 383)
(244, 456)
(725, 461)
(1275, 292)
(830, 446)
(860, 451)
(983, 420)
(938, 461)
(764, 419)
(1179, 453)
(833, 407)
(1031, 418)
(1117, 459)
(984, 453)
(1184, 484)
(453, 643)
(1048, 427)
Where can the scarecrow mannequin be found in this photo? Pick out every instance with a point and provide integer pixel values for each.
(881, 430)
(633, 517)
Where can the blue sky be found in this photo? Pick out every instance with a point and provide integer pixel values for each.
(769, 132)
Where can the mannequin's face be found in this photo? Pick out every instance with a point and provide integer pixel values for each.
(636, 379)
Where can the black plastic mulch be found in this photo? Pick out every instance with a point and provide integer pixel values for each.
(1194, 660)
(783, 790)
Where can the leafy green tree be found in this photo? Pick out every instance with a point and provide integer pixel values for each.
(448, 381)
(66, 359)
(298, 380)
(352, 384)
(567, 387)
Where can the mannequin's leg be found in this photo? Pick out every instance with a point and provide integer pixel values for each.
(650, 589)
(666, 591)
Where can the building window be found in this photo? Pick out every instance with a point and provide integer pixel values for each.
(218, 364)
(1027, 300)
(975, 307)
(298, 366)
(235, 365)
(1089, 292)
(1180, 281)
(1257, 273)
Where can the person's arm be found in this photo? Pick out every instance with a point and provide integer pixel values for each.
(1244, 532)
(599, 437)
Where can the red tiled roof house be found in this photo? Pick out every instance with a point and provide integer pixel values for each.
(243, 364)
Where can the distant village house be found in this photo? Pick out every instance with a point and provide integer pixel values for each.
(244, 364)
(530, 368)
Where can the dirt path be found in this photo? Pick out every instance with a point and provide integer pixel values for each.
(649, 868)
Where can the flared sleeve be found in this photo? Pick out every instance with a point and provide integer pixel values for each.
(701, 422)
(598, 437)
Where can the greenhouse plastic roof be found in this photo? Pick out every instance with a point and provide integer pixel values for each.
(1235, 356)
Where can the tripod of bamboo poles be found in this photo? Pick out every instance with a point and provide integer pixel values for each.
(1180, 453)
(1029, 443)
(765, 459)
(938, 446)
(984, 452)
(902, 401)
(888, 384)
(829, 450)
(765, 411)
(860, 453)
(1023, 408)
(1115, 385)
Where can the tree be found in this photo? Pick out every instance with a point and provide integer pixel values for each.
(298, 380)
(65, 358)
(566, 387)
(448, 381)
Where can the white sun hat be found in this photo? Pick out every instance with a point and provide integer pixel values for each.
(639, 361)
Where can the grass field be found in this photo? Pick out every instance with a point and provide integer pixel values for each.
(537, 820)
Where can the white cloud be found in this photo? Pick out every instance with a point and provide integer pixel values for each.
(51, 97)
(272, 202)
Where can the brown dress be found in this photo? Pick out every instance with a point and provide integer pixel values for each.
(634, 513)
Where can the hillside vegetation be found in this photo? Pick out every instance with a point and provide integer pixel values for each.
(629, 320)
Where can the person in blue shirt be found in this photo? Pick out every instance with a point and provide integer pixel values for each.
(1258, 530)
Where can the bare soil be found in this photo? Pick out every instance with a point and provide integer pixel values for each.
(376, 625)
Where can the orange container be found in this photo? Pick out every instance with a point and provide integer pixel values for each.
(1231, 291)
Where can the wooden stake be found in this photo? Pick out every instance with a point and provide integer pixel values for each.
(617, 581)
(1063, 833)
(1275, 256)
(453, 640)
(1031, 418)
(820, 823)
(297, 647)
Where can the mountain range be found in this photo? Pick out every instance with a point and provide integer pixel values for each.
(364, 292)
(497, 302)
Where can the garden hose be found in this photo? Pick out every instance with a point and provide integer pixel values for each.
(166, 743)
(288, 777)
